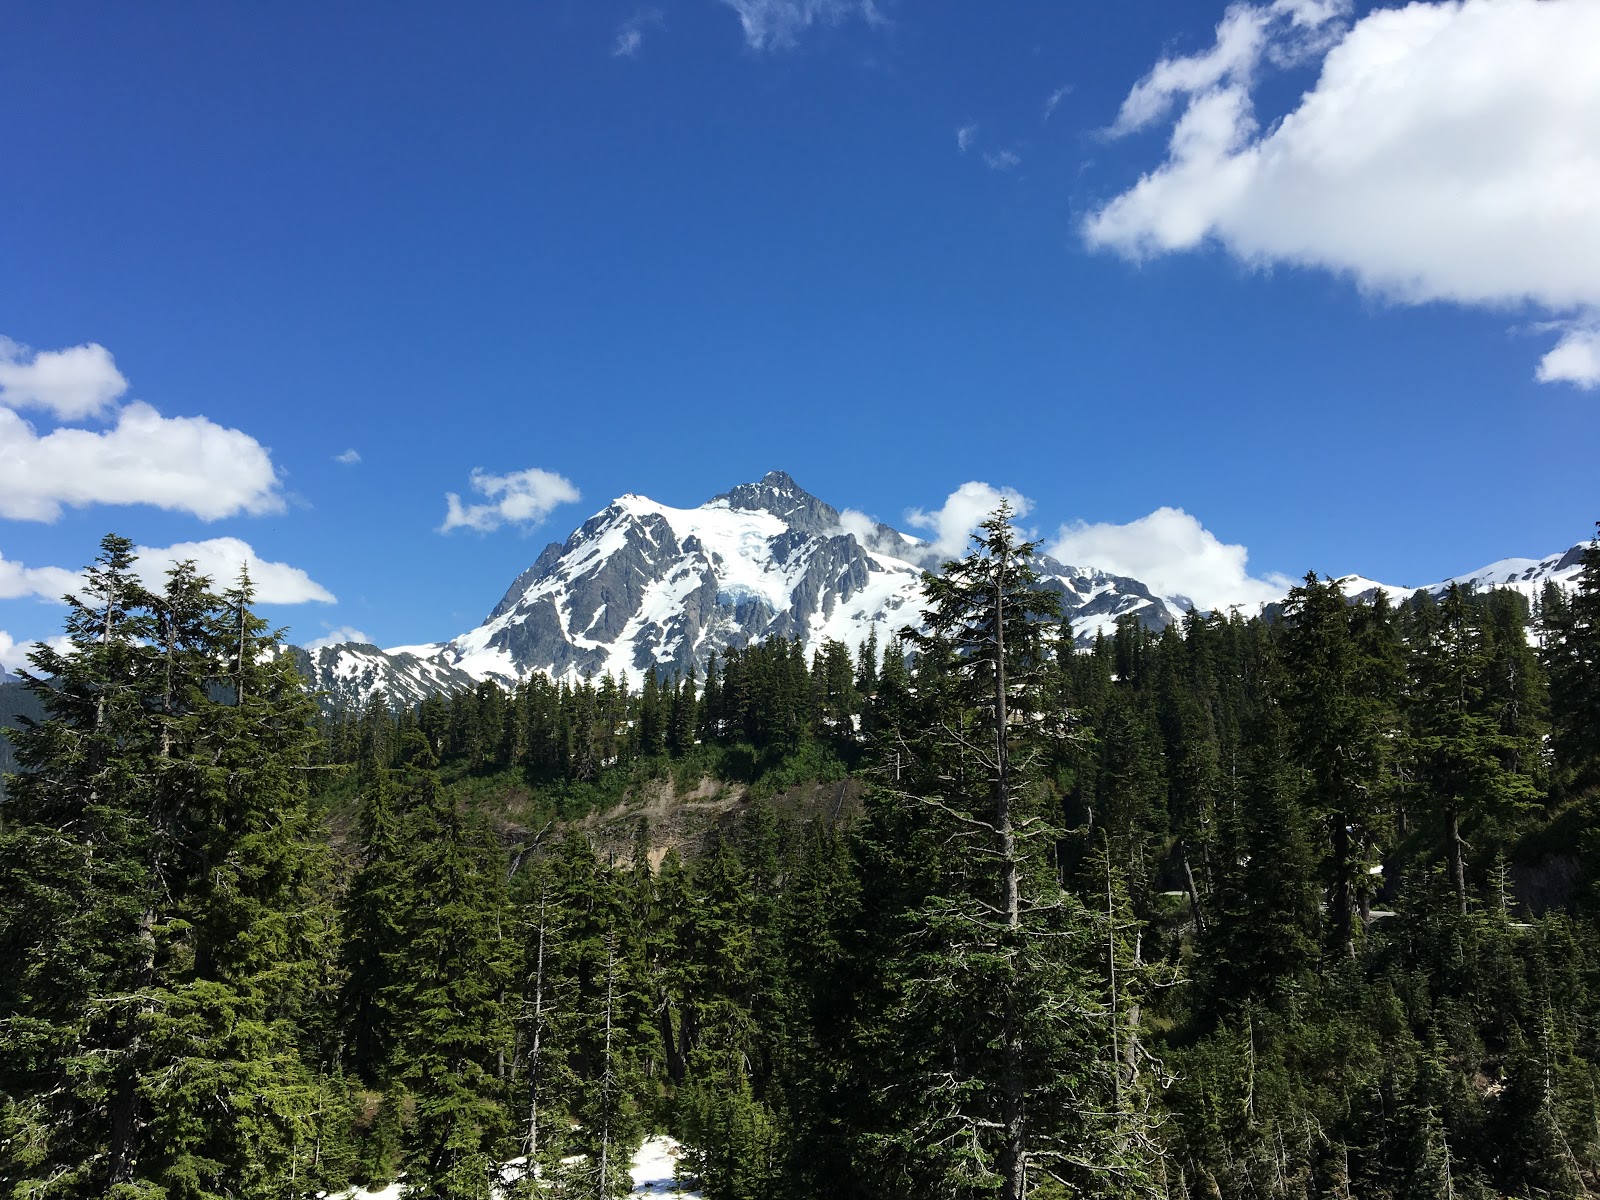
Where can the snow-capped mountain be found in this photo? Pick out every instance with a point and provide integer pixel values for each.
(642, 585)
(1525, 575)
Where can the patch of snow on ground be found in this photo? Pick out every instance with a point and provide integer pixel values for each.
(655, 1169)
(655, 1173)
(392, 1192)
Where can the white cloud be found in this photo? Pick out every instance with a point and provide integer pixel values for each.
(13, 656)
(867, 533)
(221, 558)
(1002, 160)
(1173, 554)
(966, 135)
(862, 527)
(44, 583)
(335, 637)
(630, 34)
(1575, 359)
(777, 24)
(349, 458)
(1241, 36)
(1054, 99)
(963, 511)
(217, 558)
(520, 498)
(80, 381)
(1449, 151)
(183, 464)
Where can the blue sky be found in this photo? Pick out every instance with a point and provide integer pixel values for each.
(1348, 320)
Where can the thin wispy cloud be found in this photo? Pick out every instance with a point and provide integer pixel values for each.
(630, 34)
(1449, 151)
(1055, 98)
(778, 24)
(338, 637)
(1002, 160)
(522, 498)
(966, 136)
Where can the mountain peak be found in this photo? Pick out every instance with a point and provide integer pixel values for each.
(777, 493)
(781, 481)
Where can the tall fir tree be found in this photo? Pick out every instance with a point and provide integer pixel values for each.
(159, 838)
(996, 1070)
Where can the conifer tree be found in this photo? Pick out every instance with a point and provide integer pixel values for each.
(1334, 732)
(158, 838)
(998, 1073)
(444, 975)
(1572, 654)
(1455, 740)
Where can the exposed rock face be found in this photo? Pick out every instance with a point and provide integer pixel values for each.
(642, 586)
(351, 673)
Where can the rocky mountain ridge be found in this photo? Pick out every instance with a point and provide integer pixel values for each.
(644, 586)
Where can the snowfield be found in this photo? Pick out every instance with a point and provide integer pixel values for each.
(655, 1173)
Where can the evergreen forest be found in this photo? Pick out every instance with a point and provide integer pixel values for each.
(1303, 905)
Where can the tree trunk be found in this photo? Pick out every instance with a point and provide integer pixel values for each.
(1188, 883)
(536, 1048)
(1014, 1154)
(1458, 862)
(1339, 897)
(122, 1153)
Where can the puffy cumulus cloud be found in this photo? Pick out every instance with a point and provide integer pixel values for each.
(80, 381)
(520, 498)
(349, 458)
(1449, 151)
(183, 464)
(13, 656)
(951, 525)
(777, 24)
(1575, 359)
(44, 583)
(1173, 554)
(221, 559)
(337, 637)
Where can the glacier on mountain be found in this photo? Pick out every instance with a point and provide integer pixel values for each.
(644, 586)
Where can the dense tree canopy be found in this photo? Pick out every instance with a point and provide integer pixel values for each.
(1300, 905)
